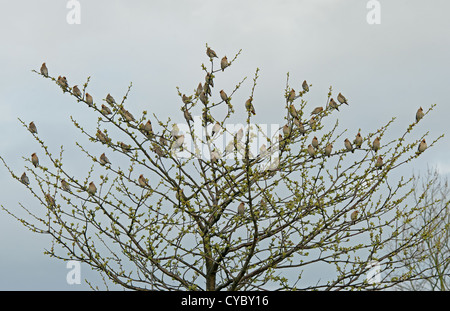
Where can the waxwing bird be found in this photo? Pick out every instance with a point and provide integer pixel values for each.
(147, 128)
(203, 98)
(223, 95)
(175, 130)
(315, 142)
(44, 70)
(348, 145)
(142, 181)
(342, 99)
(281, 142)
(376, 144)
(209, 79)
(216, 128)
(187, 115)
(311, 151)
(286, 130)
(379, 162)
(312, 122)
(334, 104)
(328, 149)
(291, 96)
(62, 82)
(300, 126)
(358, 140)
(65, 186)
(157, 149)
(186, 99)
(105, 110)
(249, 105)
(102, 137)
(422, 146)
(104, 160)
(206, 117)
(207, 89)
(199, 89)
(419, 114)
(92, 189)
(305, 86)
(178, 143)
(293, 112)
(24, 179)
(125, 148)
(50, 200)
(34, 160)
(32, 128)
(317, 110)
(76, 91)
(241, 208)
(110, 100)
(210, 53)
(354, 216)
(224, 63)
(127, 115)
(89, 100)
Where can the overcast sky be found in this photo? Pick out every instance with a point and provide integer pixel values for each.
(386, 70)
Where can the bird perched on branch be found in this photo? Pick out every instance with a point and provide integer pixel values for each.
(65, 186)
(34, 160)
(241, 209)
(223, 95)
(342, 99)
(333, 104)
(187, 115)
(311, 151)
(44, 70)
(76, 91)
(147, 128)
(419, 114)
(379, 162)
(216, 128)
(199, 89)
(210, 53)
(286, 130)
(422, 146)
(186, 99)
(125, 148)
(292, 111)
(92, 189)
(50, 200)
(104, 160)
(328, 149)
(348, 145)
(358, 140)
(143, 181)
(224, 63)
(102, 137)
(354, 217)
(376, 144)
(291, 95)
(305, 86)
(32, 128)
(62, 82)
(24, 179)
(126, 115)
(317, 110)
(249, 106)
(315, 142)
(110, 100)
(105, 110)
(89, 100)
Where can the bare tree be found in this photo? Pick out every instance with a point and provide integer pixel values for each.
(431, 258)
(192, 213)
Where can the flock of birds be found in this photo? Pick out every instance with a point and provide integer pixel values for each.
(202, 92)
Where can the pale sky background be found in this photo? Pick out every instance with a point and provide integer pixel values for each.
(384, 70)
